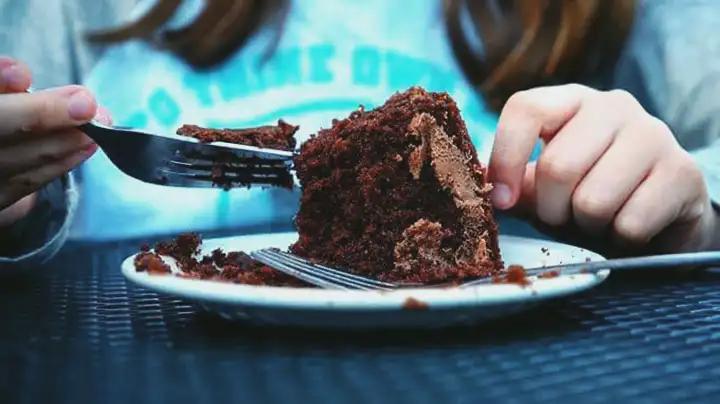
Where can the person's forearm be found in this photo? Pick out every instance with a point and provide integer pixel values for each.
(707, 159)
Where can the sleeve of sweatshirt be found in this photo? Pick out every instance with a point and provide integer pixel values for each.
(672, 65)
(35, 239)
(708, 158)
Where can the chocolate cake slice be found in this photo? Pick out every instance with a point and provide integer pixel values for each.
(398, 193)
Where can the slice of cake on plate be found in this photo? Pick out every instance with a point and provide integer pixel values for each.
(398, 193)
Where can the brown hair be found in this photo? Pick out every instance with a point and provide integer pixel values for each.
(527, 43)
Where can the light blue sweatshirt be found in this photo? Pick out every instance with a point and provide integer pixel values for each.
(334, 56)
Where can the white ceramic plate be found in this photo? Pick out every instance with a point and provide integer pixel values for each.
(364, 309)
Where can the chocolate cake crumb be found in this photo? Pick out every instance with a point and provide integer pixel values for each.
(514, 274)
(549, 274)
(412, 303)
(151, 263)
(220, 266)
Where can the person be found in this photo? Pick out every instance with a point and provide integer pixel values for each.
(620, 93)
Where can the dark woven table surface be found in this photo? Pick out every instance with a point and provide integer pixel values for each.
(78, 333)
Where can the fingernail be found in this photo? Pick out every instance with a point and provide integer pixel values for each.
(501, 195)
(12, 76)
(80, 106)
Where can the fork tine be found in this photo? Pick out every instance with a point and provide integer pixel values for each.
(281, 266)
(228, 181)
(314, 277)
(233, 152)
(299, 267)
(272, 167)
(249, 177)
(335, 272)
(268, 174)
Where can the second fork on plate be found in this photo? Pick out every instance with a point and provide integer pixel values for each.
(331, 278)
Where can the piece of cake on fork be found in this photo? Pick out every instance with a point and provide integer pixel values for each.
(280, 136)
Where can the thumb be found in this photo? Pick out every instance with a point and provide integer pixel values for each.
(46, 110)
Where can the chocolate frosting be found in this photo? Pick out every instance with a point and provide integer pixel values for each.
(452, 172)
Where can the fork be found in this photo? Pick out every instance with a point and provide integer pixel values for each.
(181, 161)
(330, 278)
(316, 274)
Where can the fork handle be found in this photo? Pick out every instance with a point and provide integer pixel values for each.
(634, 263)
(648, 262)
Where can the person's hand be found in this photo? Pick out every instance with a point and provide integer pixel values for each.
(607, 168)
(38, 142)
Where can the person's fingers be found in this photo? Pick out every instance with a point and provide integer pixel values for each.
(616, 175)
(41, 149)
(661, 200)
(18, 187)
(45, 110)
(570, 155)
(15, 77)
(528, 115)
